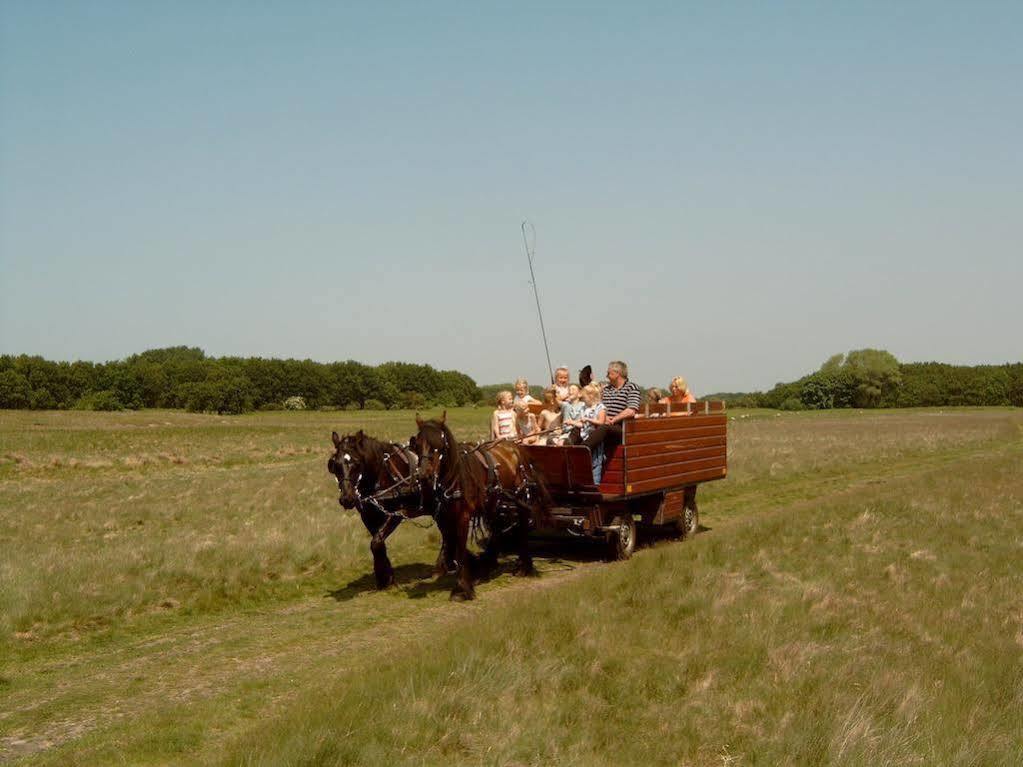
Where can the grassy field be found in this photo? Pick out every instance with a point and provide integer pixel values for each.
(184, 589)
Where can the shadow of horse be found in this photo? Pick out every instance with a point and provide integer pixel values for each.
(553, 553)
(418, 580)
(416, 571)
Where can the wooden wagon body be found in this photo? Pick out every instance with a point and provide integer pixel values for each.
(649, 479)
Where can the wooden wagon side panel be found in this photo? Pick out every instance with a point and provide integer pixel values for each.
(612, 481)
(661, 453)
(566, 469)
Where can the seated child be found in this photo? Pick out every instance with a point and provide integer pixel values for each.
(522, 392)
(561, 383)
(550, 417)
(571, 414)
(525, 424)
(502, 422)
(594, 414)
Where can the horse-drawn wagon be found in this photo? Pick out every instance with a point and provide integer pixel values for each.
(502, 487)
(649, 480)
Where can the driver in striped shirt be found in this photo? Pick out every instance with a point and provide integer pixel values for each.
(622, 399)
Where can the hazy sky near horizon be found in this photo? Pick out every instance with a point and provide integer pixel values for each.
(731, 191)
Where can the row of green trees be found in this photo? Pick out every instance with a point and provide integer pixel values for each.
(183, 377)
(869, 378)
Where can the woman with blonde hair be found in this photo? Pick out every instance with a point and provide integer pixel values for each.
(679, 392)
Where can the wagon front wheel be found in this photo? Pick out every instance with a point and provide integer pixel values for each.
(622, 542)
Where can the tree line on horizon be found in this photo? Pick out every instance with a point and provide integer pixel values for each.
(874, 378)
(184, 377)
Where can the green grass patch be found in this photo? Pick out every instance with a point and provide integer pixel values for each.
(180, 588)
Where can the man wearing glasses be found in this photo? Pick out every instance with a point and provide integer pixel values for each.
(621, 398)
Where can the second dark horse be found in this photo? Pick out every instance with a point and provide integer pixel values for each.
(472, 485)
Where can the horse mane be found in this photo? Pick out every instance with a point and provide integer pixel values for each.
(370, 447)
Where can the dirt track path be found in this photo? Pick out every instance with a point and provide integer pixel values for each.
(232, 671)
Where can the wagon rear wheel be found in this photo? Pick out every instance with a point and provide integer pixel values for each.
(622, 542)
(687, 524)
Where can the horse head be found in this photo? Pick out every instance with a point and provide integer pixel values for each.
(348, 465)
(432, 442)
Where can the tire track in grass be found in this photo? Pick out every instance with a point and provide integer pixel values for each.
(92, 699)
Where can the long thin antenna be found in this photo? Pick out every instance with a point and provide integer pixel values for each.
(530, 252)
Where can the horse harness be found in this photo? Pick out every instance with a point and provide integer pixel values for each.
(494, 492)
(394, 473)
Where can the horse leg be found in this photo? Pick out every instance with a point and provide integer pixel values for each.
(463, 589)
(445, 557)
(381, 563)
(488, 558)
(525, 565)
(373, 523)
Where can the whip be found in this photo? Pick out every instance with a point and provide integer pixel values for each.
(530, 252)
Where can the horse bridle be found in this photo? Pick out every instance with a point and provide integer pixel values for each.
(346, 478)
(450, 493)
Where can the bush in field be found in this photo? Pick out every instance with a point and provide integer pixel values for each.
(41, 399)
(14, 390)
(374, 404)
(828, 389)
(224, 396)
(792, 403)
(1015, 393)
(106, 400)
(294, 403)
(413, 400)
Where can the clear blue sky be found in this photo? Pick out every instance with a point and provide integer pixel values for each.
(729, 191)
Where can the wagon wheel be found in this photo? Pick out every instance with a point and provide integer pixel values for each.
(622, 543)
(687, 524)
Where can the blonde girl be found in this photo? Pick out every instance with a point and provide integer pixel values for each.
(561, 384)
(571, 413)
(502, 422)
(525, 424)
(522, 392)
(594, 414)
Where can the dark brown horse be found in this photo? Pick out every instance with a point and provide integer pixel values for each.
(491, 486)
(376, 478)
